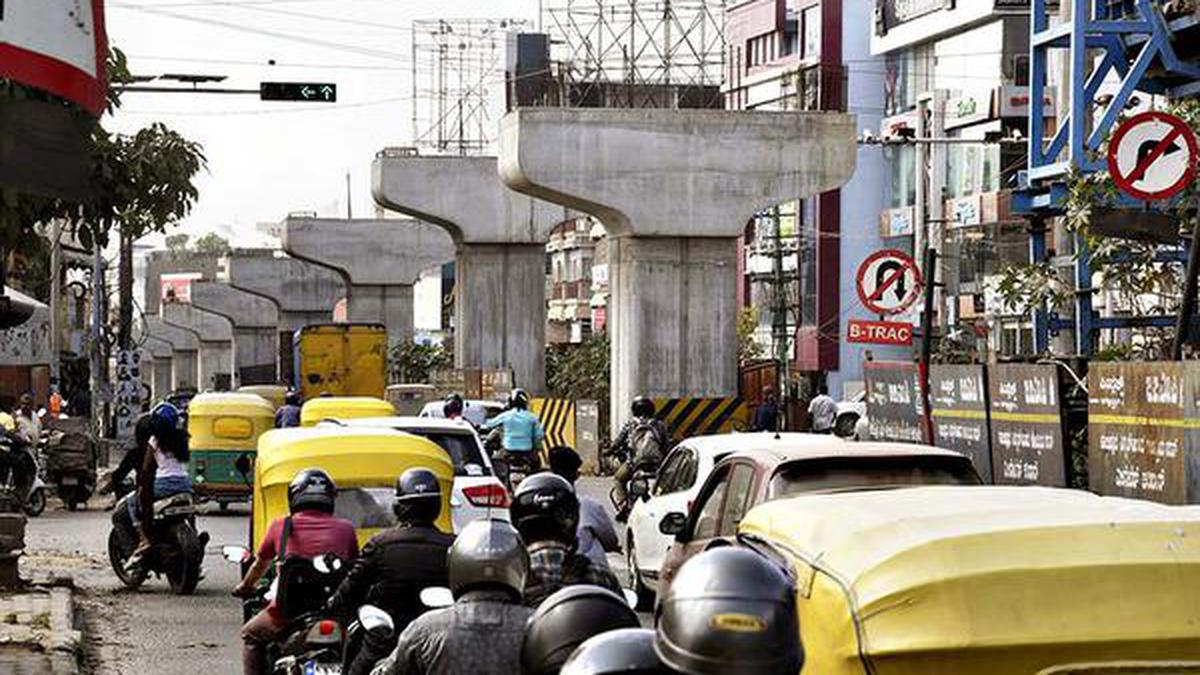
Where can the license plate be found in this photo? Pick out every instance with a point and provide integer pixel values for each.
(314, 668)
(70, 480)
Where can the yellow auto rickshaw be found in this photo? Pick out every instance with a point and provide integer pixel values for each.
(343, 407)
(987, 580)
(224, 427)
(274, 393)
(364, 464)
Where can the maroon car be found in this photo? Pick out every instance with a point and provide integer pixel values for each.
(792, 464)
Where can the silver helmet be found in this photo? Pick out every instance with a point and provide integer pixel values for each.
(488, 554)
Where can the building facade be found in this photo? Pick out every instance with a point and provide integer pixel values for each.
(576, 296)
(800, 257)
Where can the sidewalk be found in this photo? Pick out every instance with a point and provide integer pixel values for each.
(37, 630)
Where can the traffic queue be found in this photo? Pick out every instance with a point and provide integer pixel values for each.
(389, 544)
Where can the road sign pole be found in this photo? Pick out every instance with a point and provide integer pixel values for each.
(1183, 323)
(930, 274)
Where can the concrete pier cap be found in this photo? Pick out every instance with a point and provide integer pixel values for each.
(185, 345)
(215, 336)
(674, 189)
(380, 261)
(255, 323)
(500, 305)
(303, 293)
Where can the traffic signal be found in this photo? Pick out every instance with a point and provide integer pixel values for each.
(298, 91)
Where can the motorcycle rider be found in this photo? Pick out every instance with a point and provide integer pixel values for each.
(565, 620)
(643, 441)
(288, 414)
(29, 424)
(523, 434)
(162, 473)
(545, 511)
(398, 563)
(16, 458)
(452, 409)
(482, 633)
(314, 532)
(729, 610)
(597, 536)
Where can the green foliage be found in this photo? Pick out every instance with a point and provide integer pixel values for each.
(748, 348)
(413, 362)
(213, 244)
(178, 242)
(580, 371)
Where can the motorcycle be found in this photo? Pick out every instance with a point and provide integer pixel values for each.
(372, 637)
(21, 456)
(177, 551)
(639, 487)
(314, 643)
(70, 460)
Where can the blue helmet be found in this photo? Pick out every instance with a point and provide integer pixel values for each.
(166, 415)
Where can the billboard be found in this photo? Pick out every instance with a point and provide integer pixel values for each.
(178, 287)
(895, 406)
(56, 45)
(959, 407)
(1028, 439)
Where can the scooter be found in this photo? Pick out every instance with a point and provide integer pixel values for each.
(177, 551)
(21, 454)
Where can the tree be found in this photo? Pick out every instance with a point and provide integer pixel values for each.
(413, 362)
(213, 244)
(177, 243)
(748, 348)
(580, 371)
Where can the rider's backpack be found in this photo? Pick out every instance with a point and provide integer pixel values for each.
(644, 442)
(302, 588)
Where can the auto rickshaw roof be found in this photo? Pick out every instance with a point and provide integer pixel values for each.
(332, 407)
(230, 403)
(351, 456)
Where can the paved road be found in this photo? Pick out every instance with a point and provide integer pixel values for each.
(150, 630)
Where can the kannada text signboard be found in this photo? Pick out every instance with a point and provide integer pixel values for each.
(1028, 441)
(1138, 429)
(959, 408)
(895, 411)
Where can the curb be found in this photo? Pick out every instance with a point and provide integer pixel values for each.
(42, 618)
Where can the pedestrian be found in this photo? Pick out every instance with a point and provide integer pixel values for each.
(766, 415)
(822, 411)
(596, 534)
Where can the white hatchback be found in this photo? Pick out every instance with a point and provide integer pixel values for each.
(477, 492)
(678, 481)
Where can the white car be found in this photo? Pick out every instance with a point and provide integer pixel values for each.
(678, 481)
(477, 492)
(475, 411)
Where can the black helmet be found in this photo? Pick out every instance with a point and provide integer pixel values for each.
(418, 497)
(642, 407)
(730, 610)
(545, 507)
(626, 651)
(565, 620)
(311, 490)
(488, 554)
(453, 405)
(565, 462)
(519, 398)
(292, 397)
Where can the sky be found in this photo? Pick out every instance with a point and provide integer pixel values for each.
(267, 159)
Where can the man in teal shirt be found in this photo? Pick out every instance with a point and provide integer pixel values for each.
(523, 433)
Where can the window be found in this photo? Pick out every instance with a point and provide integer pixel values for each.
(811, 44)
(708, 514)
(366, 507)
(857, 473)
(462, 448)
(668, 475)
(902, 183)
(687, 471)
(738, 500)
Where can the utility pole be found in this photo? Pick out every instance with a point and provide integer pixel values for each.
(780, 311)
(97, 338)
(125, 291)
(56, 233)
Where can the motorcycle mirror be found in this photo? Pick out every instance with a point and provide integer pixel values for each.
(235, 554)
(375, 620)
(631, 597)
(434, 597)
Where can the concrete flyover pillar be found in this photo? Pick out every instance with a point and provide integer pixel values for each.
(215, 334)
(162, 361)
(303, 293)
(674, 189)
(380, 261)
(255, 322)
(185, 357)
(500, 270)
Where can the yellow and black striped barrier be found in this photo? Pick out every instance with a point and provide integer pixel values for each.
(557, 416)
(687, 417)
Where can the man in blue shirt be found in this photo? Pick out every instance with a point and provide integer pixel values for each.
(523, 433)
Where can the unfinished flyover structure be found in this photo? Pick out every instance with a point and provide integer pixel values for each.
(185, 352)
(674, 189)
(380, 261)
(500, 254)
(215, 336)
(255, 324)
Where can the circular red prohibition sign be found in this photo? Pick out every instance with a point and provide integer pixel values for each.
(1140, 144)
(895, 272)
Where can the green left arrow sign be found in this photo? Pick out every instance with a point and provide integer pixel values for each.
(317, 92)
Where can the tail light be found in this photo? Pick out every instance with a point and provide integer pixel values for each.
(492, 495)
(323, 633)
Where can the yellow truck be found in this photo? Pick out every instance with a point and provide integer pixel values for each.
(341, 360)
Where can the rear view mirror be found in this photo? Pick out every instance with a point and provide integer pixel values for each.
(235, 554)
(376, 621)
(639, 489)
(673, 524)
(631, 598)
(434, 597)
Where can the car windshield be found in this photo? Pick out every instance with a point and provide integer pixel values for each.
(462, 448)
(366, 507)
(834, 474)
